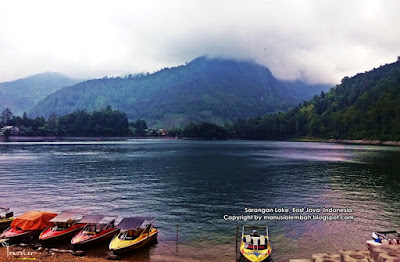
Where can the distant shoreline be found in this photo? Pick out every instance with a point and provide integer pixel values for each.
(62, 138)
(366, 142)
(90, 139)
(348, 141)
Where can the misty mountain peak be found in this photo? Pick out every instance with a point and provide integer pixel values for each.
(216, 90)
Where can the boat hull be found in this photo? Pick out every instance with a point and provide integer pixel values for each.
(118, 246)
(50, 237)
(255, 255)
(83, 241)
(5, 223)
(20, 236)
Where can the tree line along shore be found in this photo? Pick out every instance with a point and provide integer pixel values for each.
(113, 125)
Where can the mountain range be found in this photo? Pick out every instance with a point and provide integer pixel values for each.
(258, 106)
(212, 90)
(22, 94)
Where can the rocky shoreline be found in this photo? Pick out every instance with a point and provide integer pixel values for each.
(383, 253)
(27, 253)
(389, 253)
(32, 253)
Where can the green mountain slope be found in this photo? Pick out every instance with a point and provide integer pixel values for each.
(214, 90)
(366, 106)
(22, 94)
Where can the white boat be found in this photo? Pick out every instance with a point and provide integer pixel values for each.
(384, 238)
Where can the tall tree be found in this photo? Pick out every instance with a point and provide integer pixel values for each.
(6, 116)
(52, 121)
(139, 127)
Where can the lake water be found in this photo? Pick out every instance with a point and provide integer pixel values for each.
(195, 183)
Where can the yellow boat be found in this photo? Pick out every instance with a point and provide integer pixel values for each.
(255, 246)
(135, 232)
(5, 218)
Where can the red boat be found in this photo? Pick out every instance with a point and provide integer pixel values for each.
(99, 228)
(66, 225)
(28, 226)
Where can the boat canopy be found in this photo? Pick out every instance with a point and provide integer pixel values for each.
(134, 223)
(66, 216)
(248, 229)
(33, 220)
(94, 219)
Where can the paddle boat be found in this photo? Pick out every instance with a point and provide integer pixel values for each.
(6, 218)
(384, 238)
(28, 226)
(99, 228)
(66, 224)
(255, 245)
(135, 232)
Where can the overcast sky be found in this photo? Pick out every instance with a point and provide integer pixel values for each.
(314, 40)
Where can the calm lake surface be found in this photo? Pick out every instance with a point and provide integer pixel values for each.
(195, 183)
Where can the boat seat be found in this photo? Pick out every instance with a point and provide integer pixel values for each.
(248, 239)
(254, 240)
(385, 242)
(262, 240)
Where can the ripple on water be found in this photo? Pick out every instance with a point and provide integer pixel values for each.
(194, 183)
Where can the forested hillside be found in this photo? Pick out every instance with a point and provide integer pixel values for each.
(22, 94)
(366, 106)
(213, 90)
